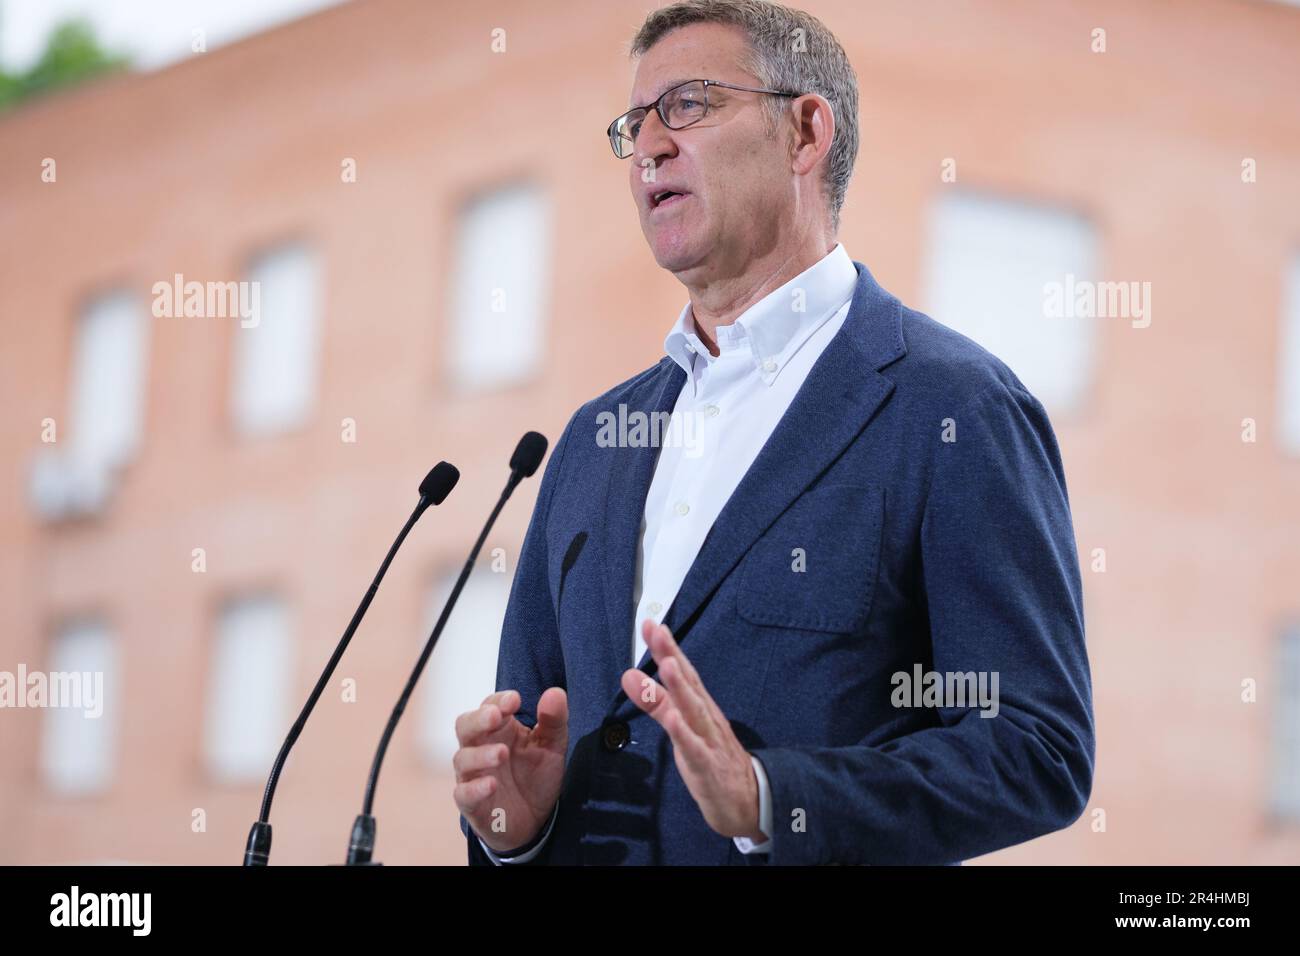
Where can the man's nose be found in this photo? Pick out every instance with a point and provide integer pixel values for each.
(653, 140)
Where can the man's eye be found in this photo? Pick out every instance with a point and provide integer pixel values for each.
(690, 105)
(634, 128)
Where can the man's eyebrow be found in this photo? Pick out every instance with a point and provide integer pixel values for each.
(664, 89)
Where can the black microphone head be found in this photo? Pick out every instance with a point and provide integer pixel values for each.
(528, 454)
(439, 481)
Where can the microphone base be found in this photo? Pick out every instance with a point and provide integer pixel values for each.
(258, 850)
(361, 848)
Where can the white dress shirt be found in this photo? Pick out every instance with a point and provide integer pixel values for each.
(726, 411)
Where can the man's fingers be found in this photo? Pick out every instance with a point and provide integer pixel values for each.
(686, 700)
(664, 705)
(694, 679)
(663, 645)
(689, 694)
(472, 725)
(689, 744)
(661, 704)
(552, 718)
(688, 669)
(471, 794)
(643, 690)
(470, 761)
(500, 697)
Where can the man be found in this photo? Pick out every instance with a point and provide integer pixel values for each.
(851, 501)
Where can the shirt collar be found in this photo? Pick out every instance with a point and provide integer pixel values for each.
(773, 328)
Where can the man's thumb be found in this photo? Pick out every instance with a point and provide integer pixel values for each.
(552, 716)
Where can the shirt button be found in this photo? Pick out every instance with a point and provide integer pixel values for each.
(769, 366)
(683, 508)
(654, 608)
(711, 410)
(689, 347)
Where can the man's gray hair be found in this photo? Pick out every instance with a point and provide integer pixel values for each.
(789, 50)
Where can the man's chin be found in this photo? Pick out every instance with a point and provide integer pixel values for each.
(675, 257)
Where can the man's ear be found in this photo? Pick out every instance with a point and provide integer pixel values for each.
(814, 129)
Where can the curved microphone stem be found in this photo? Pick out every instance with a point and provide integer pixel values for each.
(362, 843)
(258, 851)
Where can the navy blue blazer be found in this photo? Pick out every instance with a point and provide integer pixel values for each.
(925, 487)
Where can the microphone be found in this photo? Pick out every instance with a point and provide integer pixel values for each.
(523, 463)
(434, 489)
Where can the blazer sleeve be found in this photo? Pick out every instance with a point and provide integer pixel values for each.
(1003, 594)
(529, 658)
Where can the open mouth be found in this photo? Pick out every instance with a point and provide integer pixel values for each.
(665, 198)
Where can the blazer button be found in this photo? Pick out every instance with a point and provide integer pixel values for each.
(615, 736)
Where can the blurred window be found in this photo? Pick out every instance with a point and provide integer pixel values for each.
(988, 264)
(500, 288)
(277, 351)
(75, 474)
(79, 744)
(250, 681)
(462, 669)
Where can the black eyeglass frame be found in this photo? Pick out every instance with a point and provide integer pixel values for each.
(657, 106)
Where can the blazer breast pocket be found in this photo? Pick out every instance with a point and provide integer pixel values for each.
(815, 567)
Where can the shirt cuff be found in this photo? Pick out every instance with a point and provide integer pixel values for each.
(527, 855)
(745, 844)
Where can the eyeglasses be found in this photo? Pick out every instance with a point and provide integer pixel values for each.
(680, 107)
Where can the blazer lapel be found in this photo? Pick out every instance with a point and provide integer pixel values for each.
(839, 397)
(630, 472)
